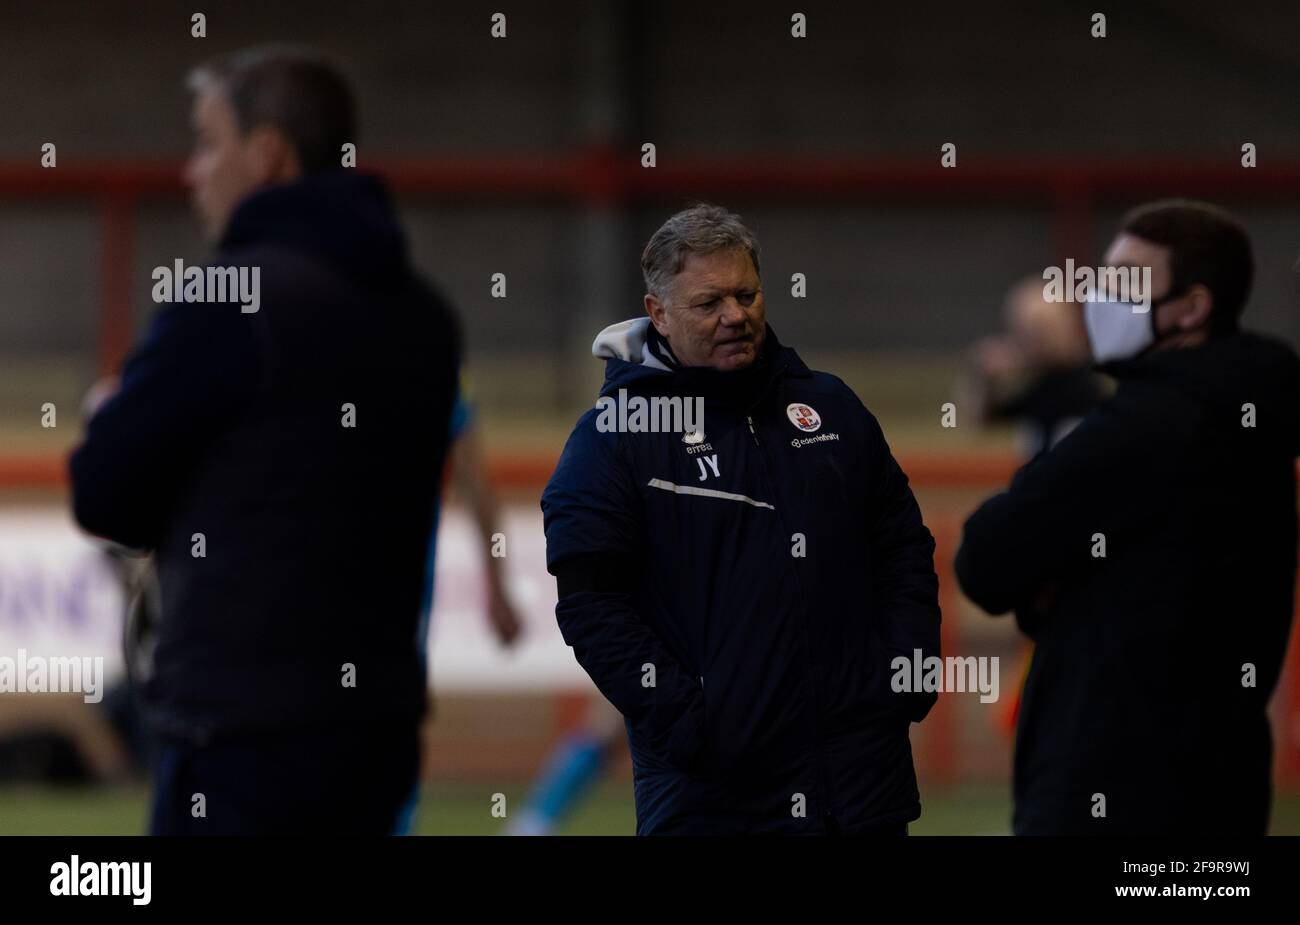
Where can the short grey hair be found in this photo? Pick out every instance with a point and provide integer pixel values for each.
(701, 229)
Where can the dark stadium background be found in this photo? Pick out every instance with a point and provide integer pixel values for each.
(522, 156)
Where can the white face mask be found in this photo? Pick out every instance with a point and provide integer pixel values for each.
(1116, 331)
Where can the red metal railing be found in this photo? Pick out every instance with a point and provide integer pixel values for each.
(608, 176)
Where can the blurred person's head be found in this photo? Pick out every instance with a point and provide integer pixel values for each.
(261, 117)
(1048, 334)
(703, 291)
(1201, 273)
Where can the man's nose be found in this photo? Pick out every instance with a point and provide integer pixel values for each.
(733, 313)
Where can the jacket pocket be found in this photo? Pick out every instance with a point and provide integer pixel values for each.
(687, 742)
(905, 706)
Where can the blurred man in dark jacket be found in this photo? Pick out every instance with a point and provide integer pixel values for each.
(1036, 373)
(283, 464)
(1151, 555)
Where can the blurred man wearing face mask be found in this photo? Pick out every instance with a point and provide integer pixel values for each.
(1151, 555)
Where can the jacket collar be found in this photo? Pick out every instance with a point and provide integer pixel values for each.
(632, 362)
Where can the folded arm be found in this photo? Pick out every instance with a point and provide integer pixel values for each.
(196, 366)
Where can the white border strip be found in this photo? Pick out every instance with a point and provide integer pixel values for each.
(706, 493)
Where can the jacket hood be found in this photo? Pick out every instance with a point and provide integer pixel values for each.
(341, 217)
(628, 341)
(631, 364)
(1227, 373)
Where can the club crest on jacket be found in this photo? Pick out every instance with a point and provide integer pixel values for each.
(803, 417)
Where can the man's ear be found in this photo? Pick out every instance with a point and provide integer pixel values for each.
(1200, 303)
(272, 155)
(658, 314)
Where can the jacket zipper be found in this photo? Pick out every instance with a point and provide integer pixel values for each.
(828, 813)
